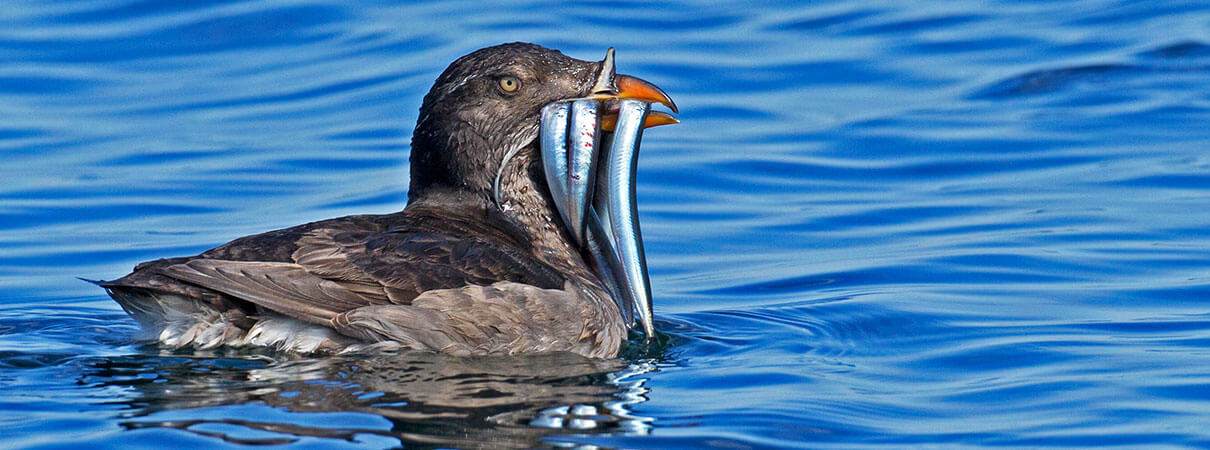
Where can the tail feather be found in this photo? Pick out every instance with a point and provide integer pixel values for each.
(176, 319)
(101, 283)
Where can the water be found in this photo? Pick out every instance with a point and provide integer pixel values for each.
(879, 224)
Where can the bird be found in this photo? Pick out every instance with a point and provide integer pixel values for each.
(476, 263)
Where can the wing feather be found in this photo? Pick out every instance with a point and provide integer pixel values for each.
(282, 287)
(504, 317)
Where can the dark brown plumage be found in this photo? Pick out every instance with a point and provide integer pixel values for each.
(456, 271)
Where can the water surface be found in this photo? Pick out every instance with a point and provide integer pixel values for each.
(879, 224)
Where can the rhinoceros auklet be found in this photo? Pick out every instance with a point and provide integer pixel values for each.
(476, 263)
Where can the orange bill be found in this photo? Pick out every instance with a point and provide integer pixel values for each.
(638, 89)
(609, 120)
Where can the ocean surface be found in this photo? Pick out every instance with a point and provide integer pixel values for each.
(880, 224)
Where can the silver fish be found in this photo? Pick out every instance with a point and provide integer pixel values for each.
(584, 141)
(553, 142)
(595, 194)
(621, 205)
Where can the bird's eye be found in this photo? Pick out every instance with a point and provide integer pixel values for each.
(510, 85)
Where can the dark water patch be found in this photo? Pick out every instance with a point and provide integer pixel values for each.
(1192, 390)
(20, 133)
(31, 360)
(733, 112)
(1167, 181)
(1053, 80)
(42, 85)
(1151, 326)
(1179, 51)
(373, 134)
(157, 158)
(1190, 292)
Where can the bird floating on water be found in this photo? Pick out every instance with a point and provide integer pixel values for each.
(520, 234)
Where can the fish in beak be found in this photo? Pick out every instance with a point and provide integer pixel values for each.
(590, 150)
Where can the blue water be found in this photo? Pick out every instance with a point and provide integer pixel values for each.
(879, 224)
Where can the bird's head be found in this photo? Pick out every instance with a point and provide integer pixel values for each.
(488, 103)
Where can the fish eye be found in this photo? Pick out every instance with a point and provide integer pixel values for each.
(509, 85)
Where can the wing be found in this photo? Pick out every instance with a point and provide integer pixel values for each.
(422, 290)
(445, 243)
(281, 287)
(335, 270)
(504, 317)
(346, 273)
(398, 265)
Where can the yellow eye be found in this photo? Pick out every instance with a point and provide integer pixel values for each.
(510, 84)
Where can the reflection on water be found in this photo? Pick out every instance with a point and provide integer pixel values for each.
(501, 402)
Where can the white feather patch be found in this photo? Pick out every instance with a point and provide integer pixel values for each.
(177, 322)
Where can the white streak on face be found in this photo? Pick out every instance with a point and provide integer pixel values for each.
(529, 135)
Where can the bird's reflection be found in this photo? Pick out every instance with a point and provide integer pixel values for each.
(425, 399)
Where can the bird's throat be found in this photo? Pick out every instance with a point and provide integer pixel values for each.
(525, 198)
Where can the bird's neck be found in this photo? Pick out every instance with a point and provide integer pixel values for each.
(524, 197)
(524, 200)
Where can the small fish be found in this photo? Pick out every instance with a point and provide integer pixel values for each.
(553, 142)
(595, 193)
(583, 145)
(622, 208)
